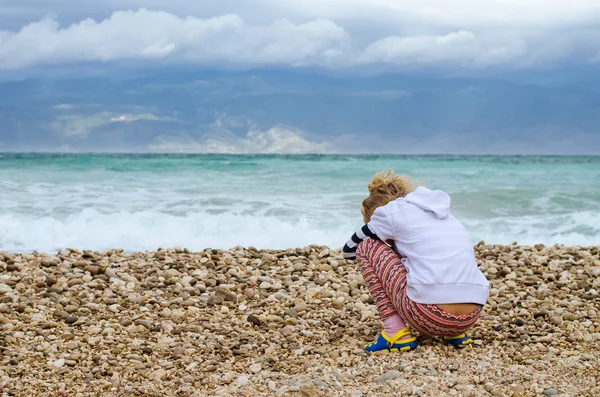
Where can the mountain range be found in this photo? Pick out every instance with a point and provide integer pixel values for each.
(291, 111)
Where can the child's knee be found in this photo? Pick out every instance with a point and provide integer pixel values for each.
(362, 249)
(367, 248)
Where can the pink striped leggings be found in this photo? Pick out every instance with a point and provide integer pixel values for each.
(385, 276)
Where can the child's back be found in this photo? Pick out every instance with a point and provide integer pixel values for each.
(436, 247)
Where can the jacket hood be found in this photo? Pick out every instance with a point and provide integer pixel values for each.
(435, 201)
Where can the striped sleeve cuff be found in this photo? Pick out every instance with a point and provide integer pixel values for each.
(349, 250)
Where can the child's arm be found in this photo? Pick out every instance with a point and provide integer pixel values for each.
(378, 228)
(349, 250)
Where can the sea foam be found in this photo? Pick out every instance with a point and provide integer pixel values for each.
(149, 230)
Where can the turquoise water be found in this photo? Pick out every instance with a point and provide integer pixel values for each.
(140, 202)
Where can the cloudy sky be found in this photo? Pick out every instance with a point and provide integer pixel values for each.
(473, 35)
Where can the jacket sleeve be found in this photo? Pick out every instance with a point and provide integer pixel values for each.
(349, 250)
(378, 228)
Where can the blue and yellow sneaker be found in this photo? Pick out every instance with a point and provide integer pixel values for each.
(385, 344)
(458, 340)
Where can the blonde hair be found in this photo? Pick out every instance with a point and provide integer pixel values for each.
(383, 188)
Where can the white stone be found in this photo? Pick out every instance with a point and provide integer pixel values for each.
(242, 381)
(265, 285)
(38, 317)
(191, 366)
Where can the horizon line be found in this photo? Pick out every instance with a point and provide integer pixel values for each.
(11, 152)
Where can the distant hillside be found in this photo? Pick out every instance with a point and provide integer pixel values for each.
(279, 111)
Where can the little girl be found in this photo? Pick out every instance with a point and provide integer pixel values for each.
(429, 279)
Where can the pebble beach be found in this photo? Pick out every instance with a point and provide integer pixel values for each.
(248, 322)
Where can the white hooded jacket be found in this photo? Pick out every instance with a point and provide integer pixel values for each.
(436, 248)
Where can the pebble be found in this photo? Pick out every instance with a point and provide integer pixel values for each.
(254, 320)
(255, 368)
(4, 289)
(242, 381)
(320, 383)
(93, 270)
(550, 392)
(389, 375)
(300, 307)
(158, 374)
(338, 302)
(227, 295)
(292, 313)
(265, 285)
(215, 300)
(71, 319)
(518, 391)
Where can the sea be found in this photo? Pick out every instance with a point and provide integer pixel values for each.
(139, 202)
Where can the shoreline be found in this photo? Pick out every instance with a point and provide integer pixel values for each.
(284, 322)
(184, 250)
